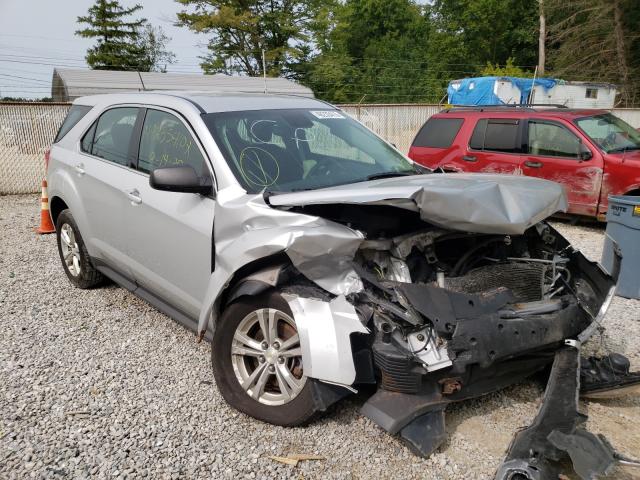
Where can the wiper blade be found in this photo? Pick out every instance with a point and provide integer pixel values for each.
(378, 176)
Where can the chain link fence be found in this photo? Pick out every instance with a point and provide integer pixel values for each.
(27, 130)
(396, 123)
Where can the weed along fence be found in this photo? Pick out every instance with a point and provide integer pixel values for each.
(27, 130)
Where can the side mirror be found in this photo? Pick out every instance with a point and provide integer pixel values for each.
(585, 154)
(179, 179)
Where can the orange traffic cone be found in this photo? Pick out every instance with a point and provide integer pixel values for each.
(46, 225)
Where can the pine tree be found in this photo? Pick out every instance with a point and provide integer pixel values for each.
(119, 45)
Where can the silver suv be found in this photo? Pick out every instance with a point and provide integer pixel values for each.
(318, 259)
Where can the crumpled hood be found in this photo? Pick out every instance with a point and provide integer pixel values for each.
(471, 202)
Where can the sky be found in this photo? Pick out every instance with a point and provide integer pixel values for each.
(36, 35)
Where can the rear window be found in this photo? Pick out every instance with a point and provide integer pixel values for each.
(438, 132)
(496, 134)
(75, 114)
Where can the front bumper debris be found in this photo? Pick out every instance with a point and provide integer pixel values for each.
(556, 438)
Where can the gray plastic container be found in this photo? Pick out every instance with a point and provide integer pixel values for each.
(623, 226)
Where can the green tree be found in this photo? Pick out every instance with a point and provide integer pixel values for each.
(240, 30)
(489, 30)
(118, 40)
(597, 40)
(153, 44)
(376, 51)
(408, 51)
(509, 70)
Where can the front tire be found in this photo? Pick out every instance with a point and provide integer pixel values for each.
(257, 361)
(73, 253)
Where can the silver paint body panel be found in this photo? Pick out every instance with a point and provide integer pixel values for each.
(165, 242)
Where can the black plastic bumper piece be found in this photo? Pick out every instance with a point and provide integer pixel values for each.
(538, 452)
(426, 433)
(396, 367)
(394, 410)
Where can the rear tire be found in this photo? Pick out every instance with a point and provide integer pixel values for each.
(73, 253)
(242, 319)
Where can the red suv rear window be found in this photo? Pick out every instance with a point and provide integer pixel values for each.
(438, 132)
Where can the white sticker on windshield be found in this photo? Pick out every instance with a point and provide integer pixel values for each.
(326, 114)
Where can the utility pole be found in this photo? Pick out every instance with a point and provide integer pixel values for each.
(264, 71)
(542, 39)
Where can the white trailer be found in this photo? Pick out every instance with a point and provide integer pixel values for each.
(577, 95)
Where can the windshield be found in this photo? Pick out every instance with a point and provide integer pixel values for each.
(292, 150)
(610, 133)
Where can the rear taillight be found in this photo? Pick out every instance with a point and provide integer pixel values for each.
(47, 155)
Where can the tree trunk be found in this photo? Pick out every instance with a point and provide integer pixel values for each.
(621, 52)
(541, 40)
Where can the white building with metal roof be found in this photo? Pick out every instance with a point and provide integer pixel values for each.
(69, 84)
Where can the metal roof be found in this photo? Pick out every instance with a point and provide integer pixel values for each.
(69, 84)
(208, 102)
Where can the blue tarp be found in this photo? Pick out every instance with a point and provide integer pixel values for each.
(479, 90)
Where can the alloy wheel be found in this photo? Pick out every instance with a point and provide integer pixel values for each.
(267, 358)
(70, 250)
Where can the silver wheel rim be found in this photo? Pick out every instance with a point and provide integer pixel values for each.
(70, 250)
(266, 357)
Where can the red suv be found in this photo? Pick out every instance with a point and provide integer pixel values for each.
(591, 152)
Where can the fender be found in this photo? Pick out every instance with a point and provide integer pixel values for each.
(255, 283)
(246, 231)
(61, 185)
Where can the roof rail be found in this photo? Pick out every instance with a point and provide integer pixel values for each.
(519, 106)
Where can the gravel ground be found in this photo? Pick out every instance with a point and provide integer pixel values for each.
(97, 383)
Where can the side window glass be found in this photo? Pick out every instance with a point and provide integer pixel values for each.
(438, 133)
(550, 140)
(113, 134)
(75, 114)
(497, 135)
(166, 142)
(477, 137)
(87, 140)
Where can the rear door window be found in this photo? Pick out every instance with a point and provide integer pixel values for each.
(438, 132)
(552, 140)
(496, 135)
(113, 134)
(74, 115)
(166, 142)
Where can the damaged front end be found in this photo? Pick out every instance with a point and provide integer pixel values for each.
(433, 307)
(454, 316)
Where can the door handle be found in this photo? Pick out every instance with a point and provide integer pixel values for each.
(79, 168)
(134, 196)
(469, 158)
(533, 164)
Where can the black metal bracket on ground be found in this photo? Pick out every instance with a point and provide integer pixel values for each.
(555, 436)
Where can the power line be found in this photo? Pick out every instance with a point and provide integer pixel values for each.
(22, 78)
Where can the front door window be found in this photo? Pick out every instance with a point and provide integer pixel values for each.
(551, 140)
